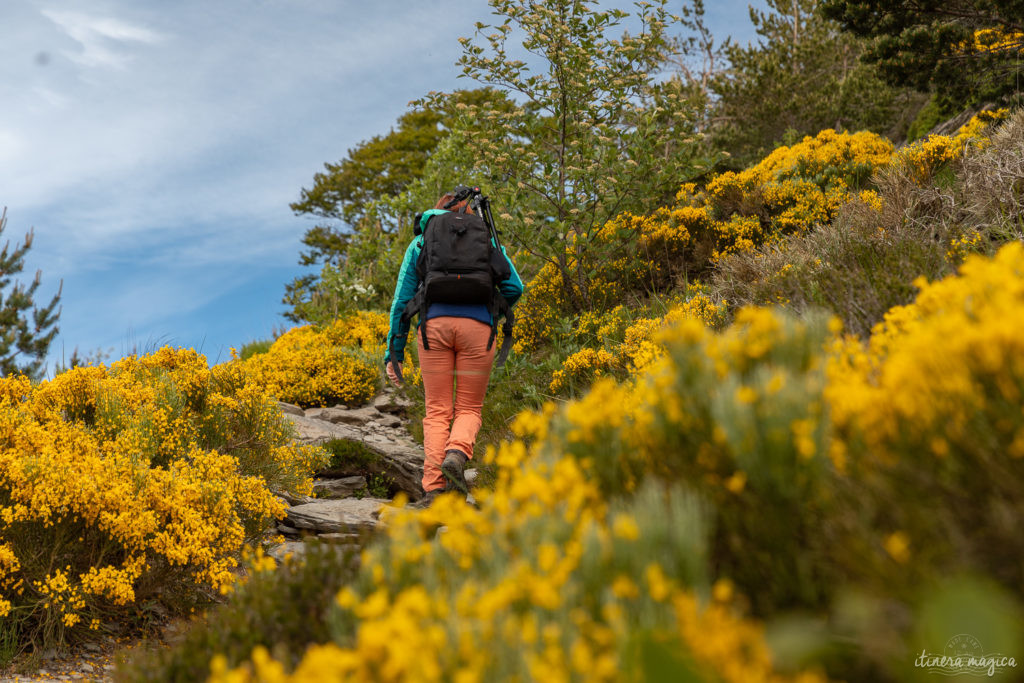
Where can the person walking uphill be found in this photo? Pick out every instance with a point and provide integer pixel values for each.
(458, 279)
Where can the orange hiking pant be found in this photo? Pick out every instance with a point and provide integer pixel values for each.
(455, 373)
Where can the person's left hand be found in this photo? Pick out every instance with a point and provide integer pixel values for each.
(393, 376)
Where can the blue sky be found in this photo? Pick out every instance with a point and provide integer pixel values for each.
(154, 147)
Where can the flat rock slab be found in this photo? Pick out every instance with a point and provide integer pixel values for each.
(316, 431)
(347, 515)
(401, 458)
(350, 416)
(280, 551)
(289, 409)
(338, 488)
(390, 402)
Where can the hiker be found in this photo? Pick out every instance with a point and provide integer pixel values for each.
(458, 316)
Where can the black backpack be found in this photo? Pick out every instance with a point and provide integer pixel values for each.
(461, 263)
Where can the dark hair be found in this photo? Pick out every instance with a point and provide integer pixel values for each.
(447, 197)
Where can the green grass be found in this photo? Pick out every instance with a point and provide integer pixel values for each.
(253, 348)
(350, 456)
(9, 643)
(283, 610)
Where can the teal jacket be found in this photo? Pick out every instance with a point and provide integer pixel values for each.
(409, 282)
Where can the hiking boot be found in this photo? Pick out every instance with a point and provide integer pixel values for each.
(453, 469)
(427, 500)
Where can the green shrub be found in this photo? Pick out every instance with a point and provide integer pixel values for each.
(253, 348)
(851, 267)
(283, 609)
(350, 457)
(931, 115)
(380, 486)
(739, 415)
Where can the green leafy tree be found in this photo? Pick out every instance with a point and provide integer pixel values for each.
(26, 330)
(359, 219)
(803, 75)
(966, 51)
(595, 131)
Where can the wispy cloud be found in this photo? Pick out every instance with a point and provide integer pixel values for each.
(101, 39)
(51, 98)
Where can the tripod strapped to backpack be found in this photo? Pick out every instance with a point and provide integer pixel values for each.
(481, 205)
(462, 262)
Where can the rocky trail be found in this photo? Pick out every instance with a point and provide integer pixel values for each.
(347, 499)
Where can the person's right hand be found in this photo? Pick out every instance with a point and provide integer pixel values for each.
(390, 368)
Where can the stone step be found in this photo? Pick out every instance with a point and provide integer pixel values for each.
(344, 515)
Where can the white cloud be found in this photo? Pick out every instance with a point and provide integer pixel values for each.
(12, 143)
(101, 38)
(50, 98)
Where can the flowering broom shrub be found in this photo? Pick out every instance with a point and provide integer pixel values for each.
(139, 482)
(929, 213)
(664, 249)
(796, 189)
(934, 202)
(547, 581)
(624, 346)
(738, 414)
(930, 409)
(791, 191)
(925, 158)
(338, 363)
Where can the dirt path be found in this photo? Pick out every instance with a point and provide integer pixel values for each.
(88, 665)
(93, 662)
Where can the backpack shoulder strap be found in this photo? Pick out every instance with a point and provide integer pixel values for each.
(505, 311)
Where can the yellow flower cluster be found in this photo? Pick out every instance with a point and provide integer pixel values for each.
(626, 346)
(363, 329)
(963, 246)
(641, 344)
(602, 326)
(992, 40)
(538, 314)
(943, 375)
(339, 363)
(922, 159)
(587, 363)
(153, 471)
(790, 191)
